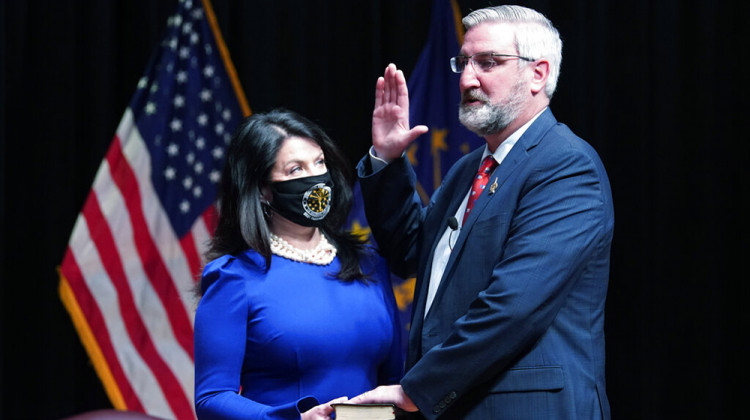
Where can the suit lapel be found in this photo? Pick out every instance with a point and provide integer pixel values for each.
(518, 154)
(456, 187)
(437, 222)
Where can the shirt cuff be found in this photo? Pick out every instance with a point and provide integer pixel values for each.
(376, 162)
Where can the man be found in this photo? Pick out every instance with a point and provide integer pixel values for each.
(510, 294)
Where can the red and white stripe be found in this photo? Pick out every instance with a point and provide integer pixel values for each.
(133, 280)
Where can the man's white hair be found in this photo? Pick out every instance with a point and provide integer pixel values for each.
(535, 37)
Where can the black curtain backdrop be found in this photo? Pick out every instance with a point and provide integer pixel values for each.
(656, 87)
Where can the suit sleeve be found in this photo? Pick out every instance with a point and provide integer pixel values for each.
(394, 212)
(560, 223)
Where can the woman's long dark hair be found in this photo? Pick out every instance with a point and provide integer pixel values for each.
(250, 157)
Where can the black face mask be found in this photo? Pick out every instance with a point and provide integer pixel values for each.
(305, 201)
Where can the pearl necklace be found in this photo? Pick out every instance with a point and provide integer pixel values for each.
(322, 254)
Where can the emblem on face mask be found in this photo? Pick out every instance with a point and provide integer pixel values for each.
(305, 201)
(316, 201)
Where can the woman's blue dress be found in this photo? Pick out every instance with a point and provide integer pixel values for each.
(269, 345)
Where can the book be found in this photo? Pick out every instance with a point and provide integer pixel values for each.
(345, 411)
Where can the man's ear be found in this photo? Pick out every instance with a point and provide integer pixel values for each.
(540, 72)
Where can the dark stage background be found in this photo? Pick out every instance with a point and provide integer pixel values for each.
(657, 88)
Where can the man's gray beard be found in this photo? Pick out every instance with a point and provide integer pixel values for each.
(489, 118)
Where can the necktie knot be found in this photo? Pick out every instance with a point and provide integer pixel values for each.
(488, 164)
(480, 181)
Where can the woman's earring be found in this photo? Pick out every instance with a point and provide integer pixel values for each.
(266, 209)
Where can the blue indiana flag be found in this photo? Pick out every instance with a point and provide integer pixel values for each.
(434, 97)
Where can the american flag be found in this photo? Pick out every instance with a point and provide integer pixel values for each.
(134, 255)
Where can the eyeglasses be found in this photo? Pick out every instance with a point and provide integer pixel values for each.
(483, 62)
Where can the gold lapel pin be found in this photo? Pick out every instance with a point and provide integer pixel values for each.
(493, 187)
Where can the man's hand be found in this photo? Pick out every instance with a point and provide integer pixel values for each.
(386, 394)
(390, 118)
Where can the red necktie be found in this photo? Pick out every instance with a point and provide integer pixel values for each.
(480, 181)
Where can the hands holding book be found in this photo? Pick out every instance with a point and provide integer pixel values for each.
(378, 403)
(393, 394)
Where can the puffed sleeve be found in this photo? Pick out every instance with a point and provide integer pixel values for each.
(220, 339)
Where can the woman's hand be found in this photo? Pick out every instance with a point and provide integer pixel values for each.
(322, 411)
(390, 118)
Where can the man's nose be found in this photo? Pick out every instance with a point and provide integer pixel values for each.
(468, 77)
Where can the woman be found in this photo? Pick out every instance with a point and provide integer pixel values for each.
(294, 311)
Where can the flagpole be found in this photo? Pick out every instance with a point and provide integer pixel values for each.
(228, 64)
